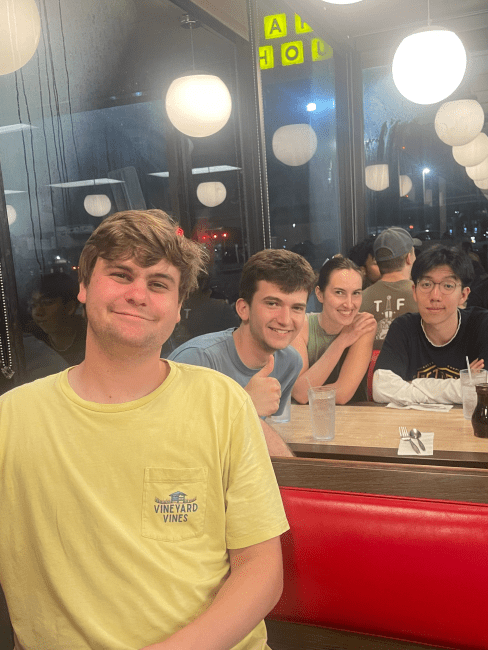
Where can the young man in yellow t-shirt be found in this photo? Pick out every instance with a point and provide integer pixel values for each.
(138, 504)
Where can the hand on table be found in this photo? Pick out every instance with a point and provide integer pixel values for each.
(265, 391)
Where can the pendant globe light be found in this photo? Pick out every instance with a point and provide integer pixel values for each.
(482, 185)
(11, 214)
(478, 172)
(457, 123)
(198, 104)
(20, 29)
(429, 64)
(472, 153)
(211, 194)
(405, 183)
(97, 205)
(377, 177)
(294, 144)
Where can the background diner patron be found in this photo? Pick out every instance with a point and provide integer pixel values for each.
(273, 293)
(335, 345)
(392, 294)
(423, 353)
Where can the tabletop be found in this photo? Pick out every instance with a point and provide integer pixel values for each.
(371, 432)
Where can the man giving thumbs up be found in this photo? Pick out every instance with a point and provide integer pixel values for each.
(274, 288)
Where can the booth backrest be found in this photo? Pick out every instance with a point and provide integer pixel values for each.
(404, 568)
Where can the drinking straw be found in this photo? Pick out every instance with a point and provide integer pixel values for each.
(469, 369)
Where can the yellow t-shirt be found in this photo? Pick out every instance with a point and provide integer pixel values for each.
(115, 519)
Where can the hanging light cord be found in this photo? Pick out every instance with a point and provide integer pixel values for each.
(5, 363)
(192, 50)
(428, 13)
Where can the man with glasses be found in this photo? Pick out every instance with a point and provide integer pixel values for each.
(423, 353)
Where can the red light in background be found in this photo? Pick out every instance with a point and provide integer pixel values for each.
(224, 234)
(411, 227)
(215, 236)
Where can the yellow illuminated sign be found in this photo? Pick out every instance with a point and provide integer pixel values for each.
(301, 27)
(321, 50)
(275, 26)
(266, 57)
(292, 53)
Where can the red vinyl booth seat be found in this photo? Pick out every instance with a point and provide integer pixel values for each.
(397, 567)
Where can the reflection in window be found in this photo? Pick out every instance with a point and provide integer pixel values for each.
(84, 134)
(298, 81)
(412, 177)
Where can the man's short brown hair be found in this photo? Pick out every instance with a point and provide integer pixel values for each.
(148, 236)
(289, 271)
(390, 266)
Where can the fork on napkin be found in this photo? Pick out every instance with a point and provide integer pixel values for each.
(405, 449)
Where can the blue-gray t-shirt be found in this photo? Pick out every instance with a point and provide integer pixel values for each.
(217, 350)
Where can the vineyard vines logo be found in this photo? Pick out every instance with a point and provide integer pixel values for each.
(176, 509)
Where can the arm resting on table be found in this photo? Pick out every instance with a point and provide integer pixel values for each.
(276, 445)
(250, 592)
(389, 387)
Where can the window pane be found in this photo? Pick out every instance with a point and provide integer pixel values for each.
(298, 82)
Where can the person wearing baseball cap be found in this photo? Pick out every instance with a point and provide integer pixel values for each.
(392, 295)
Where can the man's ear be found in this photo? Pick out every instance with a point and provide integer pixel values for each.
(82, 293)
(414, 292)
(319, 294)
(242, 309)
(464, 295)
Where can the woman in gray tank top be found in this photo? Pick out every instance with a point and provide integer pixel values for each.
(336, 344)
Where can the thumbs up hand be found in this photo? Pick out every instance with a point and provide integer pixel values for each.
(265, 391)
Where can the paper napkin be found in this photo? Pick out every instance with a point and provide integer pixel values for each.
(406, 449)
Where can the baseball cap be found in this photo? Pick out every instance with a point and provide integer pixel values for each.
(396, 241)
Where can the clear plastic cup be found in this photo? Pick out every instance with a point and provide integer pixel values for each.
(322, 412)
(468, 389)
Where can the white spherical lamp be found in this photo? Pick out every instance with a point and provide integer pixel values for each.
(472, 153)
(211, 194)
(98, 205)
(482, 185)
(377, 177)
(429, 65)
(478, 172)
(20, 29)
(294, 144)
(198, 105)
(457, 123)
(11, 214)
(405, 183)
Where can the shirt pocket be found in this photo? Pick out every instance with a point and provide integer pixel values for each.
(174, 503)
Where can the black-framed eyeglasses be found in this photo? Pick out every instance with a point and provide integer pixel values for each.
(446, 286)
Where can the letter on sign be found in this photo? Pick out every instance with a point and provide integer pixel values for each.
(300, 26)
(321, 50)
(266, 57)
(292, 53)
(275, 26)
